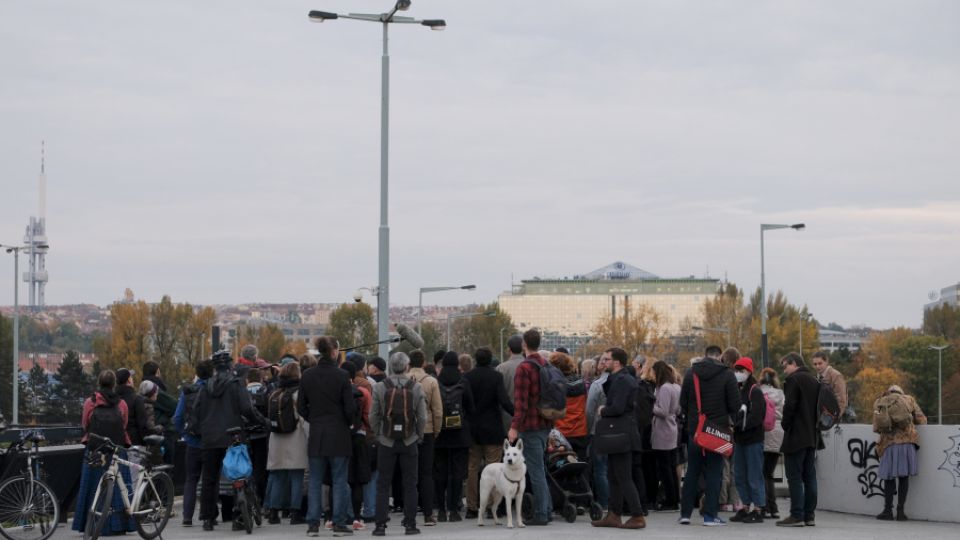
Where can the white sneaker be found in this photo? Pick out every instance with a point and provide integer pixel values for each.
(328, 525)
(358, 525)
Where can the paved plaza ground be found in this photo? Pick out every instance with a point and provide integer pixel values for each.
(659, 525)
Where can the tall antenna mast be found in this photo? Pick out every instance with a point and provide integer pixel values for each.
(42, 215)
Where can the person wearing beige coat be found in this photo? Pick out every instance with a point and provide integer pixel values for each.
(431, 392)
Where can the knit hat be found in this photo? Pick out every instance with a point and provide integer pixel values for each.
(380, 363)
(357, 359)
(745, 363)
(124, 374)
(148, 388)
(249, 352)
(350, 368)
(288, 359)
(451, 358)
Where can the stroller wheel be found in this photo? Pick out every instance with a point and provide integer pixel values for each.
(596, 512)
(570, 512)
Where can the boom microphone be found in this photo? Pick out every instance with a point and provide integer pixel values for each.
(410, 336)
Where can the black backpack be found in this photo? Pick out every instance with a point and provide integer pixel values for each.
(281, 410)
(399, 416)
(191, 395)
(828, 409)
(452, 399)
(106, 421)
(553, 391)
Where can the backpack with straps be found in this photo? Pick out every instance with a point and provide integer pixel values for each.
(191, 395)
(892, 413)
(452, 399)
(770, 412)
(106, 421)
(281, 410)
(399, 419)
(553, 391)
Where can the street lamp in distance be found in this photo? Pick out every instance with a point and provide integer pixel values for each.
(764, 227)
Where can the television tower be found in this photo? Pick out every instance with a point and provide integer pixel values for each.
(35, 240)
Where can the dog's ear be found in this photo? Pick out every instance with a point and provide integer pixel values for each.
(506, 445)
(520, 445)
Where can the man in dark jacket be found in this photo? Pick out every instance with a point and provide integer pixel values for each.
(489, 399)
(621, 391)
(326, 401)
(139, 423)
(720, 398)
(800, 440)
(222, 404)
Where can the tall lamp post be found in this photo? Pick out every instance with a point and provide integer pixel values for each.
(763, 288)
(451, 316)
(435, 289)
(718, 330)
(383, 290)
(939, 349)
(15, 412)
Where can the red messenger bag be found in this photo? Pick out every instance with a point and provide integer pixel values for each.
(710, 436)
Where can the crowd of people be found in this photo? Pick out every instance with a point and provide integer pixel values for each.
(340, 441)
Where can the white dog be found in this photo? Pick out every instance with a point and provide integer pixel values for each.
(504, 480)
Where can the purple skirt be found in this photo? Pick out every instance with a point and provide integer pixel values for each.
(898, 460)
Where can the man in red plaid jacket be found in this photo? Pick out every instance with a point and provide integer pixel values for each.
(530, 427)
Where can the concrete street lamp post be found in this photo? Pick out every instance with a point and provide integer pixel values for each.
(763, 288)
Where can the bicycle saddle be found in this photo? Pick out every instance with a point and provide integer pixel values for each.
(153, 440)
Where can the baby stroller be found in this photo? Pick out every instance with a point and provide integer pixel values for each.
(569, 488)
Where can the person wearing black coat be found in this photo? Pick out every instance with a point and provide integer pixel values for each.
(139, 424)
(486, 426)
(720, 398)
(748, 439)
(223, 403)
(453, 444)
(326, 401)
(801, 439)
(621, 391)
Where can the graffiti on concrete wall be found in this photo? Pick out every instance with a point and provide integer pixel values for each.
(863, 457)
(951, 462)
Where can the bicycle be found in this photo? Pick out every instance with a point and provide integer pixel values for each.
(245, 500)
(28, 507)
(152, 489)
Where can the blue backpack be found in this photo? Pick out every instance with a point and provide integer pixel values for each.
(236, 464)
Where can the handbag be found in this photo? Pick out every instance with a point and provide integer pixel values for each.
(613, 434)
(236, 464)
(711, 436)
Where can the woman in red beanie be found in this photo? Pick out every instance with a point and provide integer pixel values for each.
(748, 439)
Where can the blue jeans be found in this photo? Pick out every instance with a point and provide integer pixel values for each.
(710, 465)
(370, 496)
(340, 490)
(748, 474)
(601, 486)
(801, 472)
(534, 451)
(284, 490)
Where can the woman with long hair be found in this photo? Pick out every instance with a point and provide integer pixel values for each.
(770, 384)
(663, 437)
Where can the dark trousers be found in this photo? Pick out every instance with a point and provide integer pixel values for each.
(648, 466)
(193, 463)
(666, 466)
(450, 470)
(425, 472)
(638, 474)
(769, 464)
(709, 465)
(258, 458)
(801, 470)
(389, 458)
(623, 489)
(212, 460)
(890, 487)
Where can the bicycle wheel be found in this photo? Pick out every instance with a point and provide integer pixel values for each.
(28, 509)
(254, 503)
(244, 510)
(154, 506)
(99, 511)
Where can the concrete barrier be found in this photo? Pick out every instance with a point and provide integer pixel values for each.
(848, 482)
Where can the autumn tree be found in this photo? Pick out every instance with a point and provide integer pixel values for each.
(481, 330)
(871, 383)
(295, 347)
(639, 329)
(921, 364)
(271, 342)
(352, 325)
(951, 402)
(128, 343)
(942, 321)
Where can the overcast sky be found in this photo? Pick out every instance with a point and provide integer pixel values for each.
(228, 151)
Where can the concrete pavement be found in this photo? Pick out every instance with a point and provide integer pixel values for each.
(659, 525)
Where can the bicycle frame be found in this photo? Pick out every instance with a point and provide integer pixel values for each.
(139, 486)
